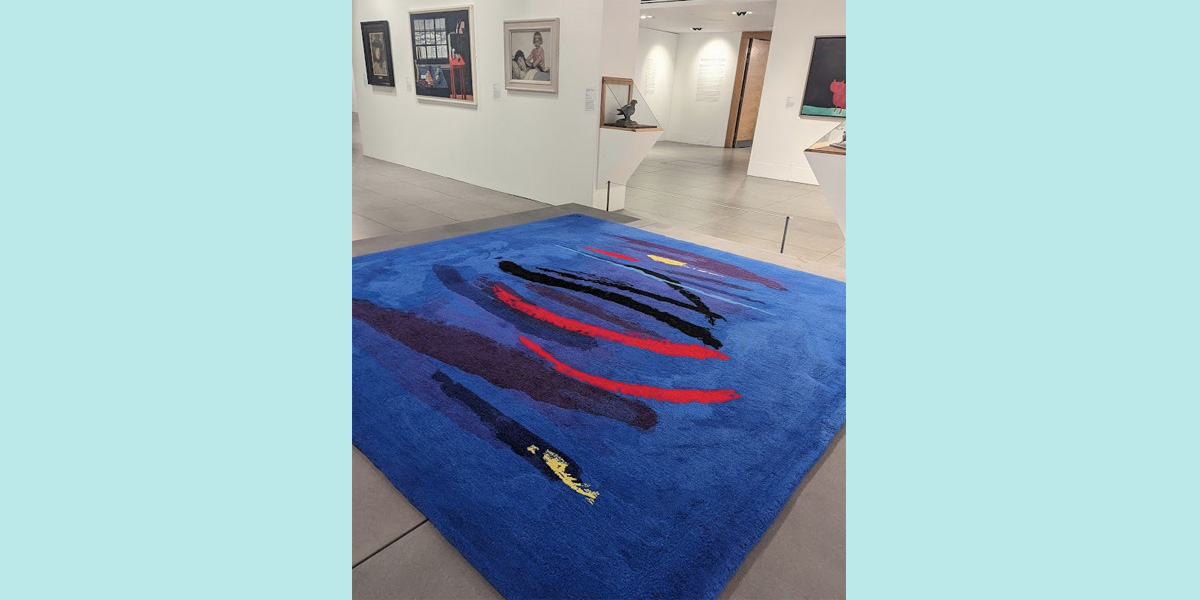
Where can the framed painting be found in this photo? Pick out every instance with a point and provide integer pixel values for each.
(825, 92)
(377, 49)
(443, 40)
(531, 52)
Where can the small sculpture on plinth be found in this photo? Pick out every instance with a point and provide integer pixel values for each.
(626, 113)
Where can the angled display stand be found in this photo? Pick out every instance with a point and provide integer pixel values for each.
(628, 129)
(827, 157)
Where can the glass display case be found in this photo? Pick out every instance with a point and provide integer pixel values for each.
(622, 106)
(833, 142)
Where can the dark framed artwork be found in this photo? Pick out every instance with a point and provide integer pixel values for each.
(825, 92)
(377, 48)
(443, 40)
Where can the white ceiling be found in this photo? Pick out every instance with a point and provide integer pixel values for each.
(680, 16)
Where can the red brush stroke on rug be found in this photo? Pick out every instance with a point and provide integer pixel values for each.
(613, 254)
(633, 389)
(659, 346)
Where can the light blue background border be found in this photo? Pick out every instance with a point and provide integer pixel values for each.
(1021, 310)
(176, 382)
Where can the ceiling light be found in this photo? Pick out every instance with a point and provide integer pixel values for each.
(742, 13)
(647, 16)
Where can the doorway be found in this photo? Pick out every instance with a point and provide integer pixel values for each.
(747, 88)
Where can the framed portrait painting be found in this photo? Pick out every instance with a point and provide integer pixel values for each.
(377, 49)
(825, 92)
(443, 40)
(531, 52)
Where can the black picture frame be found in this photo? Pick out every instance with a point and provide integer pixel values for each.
(826, 67)
(443, 43)
(377, 34)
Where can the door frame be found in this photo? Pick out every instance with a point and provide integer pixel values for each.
(735, 104)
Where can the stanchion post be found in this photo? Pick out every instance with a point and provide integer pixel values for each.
(607, 196)
(786, 220)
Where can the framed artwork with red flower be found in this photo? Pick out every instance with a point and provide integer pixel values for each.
(825, 92)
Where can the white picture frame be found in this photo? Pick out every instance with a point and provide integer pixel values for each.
(525, 68)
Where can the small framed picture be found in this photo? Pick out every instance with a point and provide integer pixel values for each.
(377, 49)
(531, 52)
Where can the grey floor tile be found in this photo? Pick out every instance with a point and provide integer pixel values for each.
(381, 513)
(636, 192)
(804, 206)
(834, 259)
(681, 200)
(730, 195)
(510, 204)
(684, 177)
(764, 226)
(639, 215)
(801, 202)
(657, 184)
(409, 192)
(364, 200)
(421, 564)
(644, 168)
(458, 189)
(365, 177)
(807, 225)
(363, 228)
(408, 218)
(812, 241)
(697, 214)
(804, 253)
(399, 172)
(463, 210)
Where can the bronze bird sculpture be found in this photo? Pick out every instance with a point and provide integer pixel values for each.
(627, 110)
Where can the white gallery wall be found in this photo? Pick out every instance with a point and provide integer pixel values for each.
(535, 145)
(781, 134)
(655, 71)
(698, 118)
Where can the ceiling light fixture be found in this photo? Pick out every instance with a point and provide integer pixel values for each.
(647, 16)
(697, 28)
(742, 13)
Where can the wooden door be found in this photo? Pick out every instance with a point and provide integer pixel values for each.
(751, 93)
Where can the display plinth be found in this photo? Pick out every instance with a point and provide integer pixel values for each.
(620, 155)
(623, 110)
(827, 158)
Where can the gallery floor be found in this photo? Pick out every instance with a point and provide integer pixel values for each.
(699, 189)
(397, 553)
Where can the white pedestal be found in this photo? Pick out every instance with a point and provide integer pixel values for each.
(830, 170)
(621, 151)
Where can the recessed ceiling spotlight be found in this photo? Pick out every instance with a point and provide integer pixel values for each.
(742, 13)
(647, 16)
(697, 28)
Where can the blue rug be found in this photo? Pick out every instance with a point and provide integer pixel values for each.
(588, 410)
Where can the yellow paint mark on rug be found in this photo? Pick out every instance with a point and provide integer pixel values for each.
(559, 466)
(532, 449)
(667, 260)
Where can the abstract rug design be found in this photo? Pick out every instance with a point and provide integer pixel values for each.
(588, 410)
